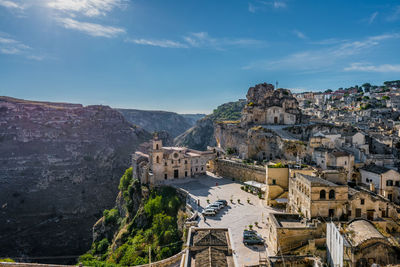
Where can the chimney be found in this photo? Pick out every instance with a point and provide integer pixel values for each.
(372, 187)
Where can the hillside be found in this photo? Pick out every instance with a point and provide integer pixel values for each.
(59, 169)
(154, 121)
(201, 134)
(141, 219)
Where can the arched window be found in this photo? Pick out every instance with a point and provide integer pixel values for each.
(156, 146)
(185, 161)
(322, 194)
(332, 194)
(157, 159)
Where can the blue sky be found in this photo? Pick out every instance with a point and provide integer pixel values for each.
(190, 56)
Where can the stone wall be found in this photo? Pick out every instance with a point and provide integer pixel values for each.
(240, 171)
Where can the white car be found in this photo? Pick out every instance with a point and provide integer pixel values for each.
(214, 206)
(209, 212)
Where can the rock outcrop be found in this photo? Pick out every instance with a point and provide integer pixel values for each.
(155, 121)
(60, 166)
(201, 135)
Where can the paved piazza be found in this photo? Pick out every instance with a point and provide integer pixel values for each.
(236, 216)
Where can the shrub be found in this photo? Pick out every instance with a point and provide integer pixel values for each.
(110, 216)
(238, 200)
(102, 246)
(125, 180)
(259, 195)
(6, 260)
(277, 165)
(250, 226)
(256, 223)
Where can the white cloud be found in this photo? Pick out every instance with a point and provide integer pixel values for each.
(204, 40)
(365, 67)
(372, 17)
(92, 29)
(10, 46)
(396, 14)
(252, 8)
(300, 34)
(11, 4)
(279, 4)
(159, 43)
(90, 8)
(320, 59)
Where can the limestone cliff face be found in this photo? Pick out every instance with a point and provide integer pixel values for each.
(155, 121)
(60, 166)
(201, 134)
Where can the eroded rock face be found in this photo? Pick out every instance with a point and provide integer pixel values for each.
(155, 121)
(60, 166)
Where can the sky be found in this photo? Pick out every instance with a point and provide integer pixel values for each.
(190, 56)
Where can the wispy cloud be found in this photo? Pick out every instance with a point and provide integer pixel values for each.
(11, 4)
(372, 17)
(395, 15)
(199, 40)
(299, 34)
(319, 59)
(159, 43)
(92, 29)
(265, 5)
(10, 46)
(90, 8)
(366, 67)
(204, 40)
(252, 8)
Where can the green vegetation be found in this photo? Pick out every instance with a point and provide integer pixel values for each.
(230, 151)
(277, 165)
(151, 226)
(385, 97)
(231, 111)
(6, 260)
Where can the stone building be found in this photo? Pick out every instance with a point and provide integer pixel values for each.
(268, 106)
(166, 163)
(367, 205)
(314, 197)
(358, 244)
(287, 232)
(386, 182)
(210, 247)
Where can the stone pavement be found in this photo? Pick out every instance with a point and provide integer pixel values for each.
(236, 216)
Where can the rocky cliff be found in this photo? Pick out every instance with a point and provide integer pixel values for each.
(201, 134)
(155, 121)
(59, 169)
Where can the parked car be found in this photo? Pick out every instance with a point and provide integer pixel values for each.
(213, 206)
(223, 201)
(221, 206)
(209, 212)
(253, 240)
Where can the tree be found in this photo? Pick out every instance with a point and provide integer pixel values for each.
(328, 91)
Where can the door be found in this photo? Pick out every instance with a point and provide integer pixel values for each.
(176, 173)
(331, 212)
(276, 120)
(358, 213)
(370, 215)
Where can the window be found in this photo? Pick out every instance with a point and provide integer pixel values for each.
(185, 161)
(197, 169)
(157, 159)
(185, 173)
(397, 183)
(331, 212)
(389, 183)
(165, 164)
(322, 194)
(165, 176)
(273, 181)
(362, 201)
(179, 160)
(156, 146)
(201, 168)
(332, 194)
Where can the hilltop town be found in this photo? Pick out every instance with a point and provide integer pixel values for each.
(276, 179)
(309, 179)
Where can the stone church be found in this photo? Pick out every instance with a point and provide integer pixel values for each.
(268, 106)
(167, 163)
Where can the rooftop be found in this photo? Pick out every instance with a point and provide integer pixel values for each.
(375, 169)
(360, 231)
(288, 220)
(316, 181)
